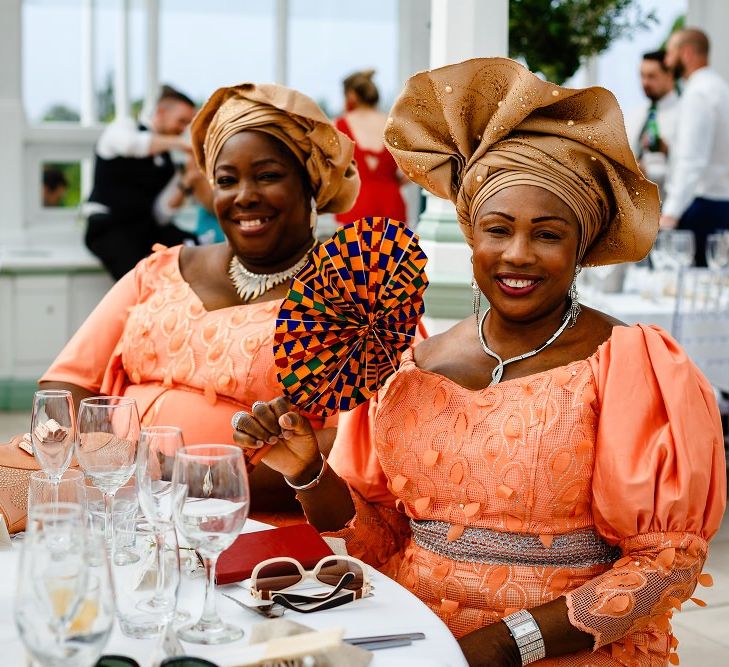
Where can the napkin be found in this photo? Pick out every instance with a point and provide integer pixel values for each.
(5, 542)
(278, 640)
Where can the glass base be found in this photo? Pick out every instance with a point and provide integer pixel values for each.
(154, 606)
(142, 627)
(209, 633)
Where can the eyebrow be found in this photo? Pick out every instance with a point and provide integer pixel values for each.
(257, 163)
(542, 218)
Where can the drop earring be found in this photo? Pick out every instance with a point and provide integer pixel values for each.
(574, 311)
(313, 217)
(476, 297)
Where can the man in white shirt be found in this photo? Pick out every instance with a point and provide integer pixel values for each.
(128, 209)
(698, 180)
(652, 127)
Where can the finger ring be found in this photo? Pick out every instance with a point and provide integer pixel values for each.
(236, 417)
(256, 403)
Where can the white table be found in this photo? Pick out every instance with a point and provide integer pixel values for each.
(391, 609)
(634, 308)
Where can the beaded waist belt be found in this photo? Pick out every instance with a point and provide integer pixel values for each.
(578, 549)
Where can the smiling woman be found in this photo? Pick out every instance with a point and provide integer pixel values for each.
(553, 477)
(189, 331)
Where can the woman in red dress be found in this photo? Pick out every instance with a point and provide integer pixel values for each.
(379, 194)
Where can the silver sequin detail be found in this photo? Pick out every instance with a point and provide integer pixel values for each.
(578, 549)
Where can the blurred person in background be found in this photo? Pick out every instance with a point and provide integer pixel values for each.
(652, 127)
(362, 122)
(55, 186)
(127, 211)
(698, 179)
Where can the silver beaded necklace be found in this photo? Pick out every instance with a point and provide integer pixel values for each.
(570, 317)
(251, 285)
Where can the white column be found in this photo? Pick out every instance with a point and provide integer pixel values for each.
(712, 16)
(462, 29)
(413, 37)
(459, 30)
(151, 71)
(12, 121)
(121, 71)
(88, 43)
(281, 42)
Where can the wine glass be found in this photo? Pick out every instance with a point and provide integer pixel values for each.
(682, 247)
(42, 490)
(717, 250)
(210, 503)
(108, 432)
(155, 461)
(64, 609)
(53, 432)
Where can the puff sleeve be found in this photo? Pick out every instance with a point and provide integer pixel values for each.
(659, 484)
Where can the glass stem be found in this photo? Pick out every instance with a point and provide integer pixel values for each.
(210, 615)
(55, 486)
(159, 540)
(109, 520)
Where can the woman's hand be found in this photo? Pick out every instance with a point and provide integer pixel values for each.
(295, 450)
(492, 646)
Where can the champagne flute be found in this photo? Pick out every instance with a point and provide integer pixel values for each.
(63, 609)
(42, 490)
(53, 432)
(155, 460)
(210, 501)
(108, 430)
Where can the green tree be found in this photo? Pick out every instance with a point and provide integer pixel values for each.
(61, 112)
(554, 37)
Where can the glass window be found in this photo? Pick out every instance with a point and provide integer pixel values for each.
(206, 45)
(60, 184)
(330, 39)
(51, 60)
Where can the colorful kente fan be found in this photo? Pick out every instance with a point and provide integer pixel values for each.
(349, 315)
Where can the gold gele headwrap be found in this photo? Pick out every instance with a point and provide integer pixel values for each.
(294, 119)
(460, 128)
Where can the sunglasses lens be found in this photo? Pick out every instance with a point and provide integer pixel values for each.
(277, 576)
(183, 661)
(116, 661)
(332, 571)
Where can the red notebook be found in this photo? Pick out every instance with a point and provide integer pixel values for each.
(301, 542)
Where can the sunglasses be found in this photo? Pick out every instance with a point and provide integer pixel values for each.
(272, 580)
(179, 661)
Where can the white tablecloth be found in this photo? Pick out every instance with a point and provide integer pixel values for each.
(391, 609)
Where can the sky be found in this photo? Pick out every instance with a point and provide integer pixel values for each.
(211, 43)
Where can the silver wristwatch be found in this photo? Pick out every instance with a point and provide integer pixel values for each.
(527, 635)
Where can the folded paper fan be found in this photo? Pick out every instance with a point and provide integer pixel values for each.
(349, 315)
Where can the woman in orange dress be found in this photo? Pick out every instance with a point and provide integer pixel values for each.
(545, 478)
(380, 193)
(189, 332)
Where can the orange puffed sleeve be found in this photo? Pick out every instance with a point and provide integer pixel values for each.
(659, 486)
(84, 359)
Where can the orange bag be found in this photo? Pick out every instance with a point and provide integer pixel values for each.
(16, 465)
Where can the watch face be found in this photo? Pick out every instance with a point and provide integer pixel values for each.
(524, 629)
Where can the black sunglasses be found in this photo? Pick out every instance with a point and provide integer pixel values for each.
(179, 661)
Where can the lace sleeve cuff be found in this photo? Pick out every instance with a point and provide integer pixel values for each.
(657, 572)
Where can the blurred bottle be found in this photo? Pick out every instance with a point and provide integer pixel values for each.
(652, 133)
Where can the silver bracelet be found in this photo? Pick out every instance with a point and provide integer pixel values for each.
(314, 482)
(527, 635)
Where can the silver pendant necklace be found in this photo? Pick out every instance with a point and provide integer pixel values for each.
(251, 285)
(499, 370)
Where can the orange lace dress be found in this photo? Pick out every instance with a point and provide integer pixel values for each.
(151, 338)
(601, 481)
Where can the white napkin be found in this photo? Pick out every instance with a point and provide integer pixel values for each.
(5, 542)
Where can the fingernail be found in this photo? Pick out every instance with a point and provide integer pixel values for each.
(259, 443)
(272, 440)
(286, 422)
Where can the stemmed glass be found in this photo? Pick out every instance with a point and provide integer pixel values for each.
(682, 247)
(64, 610)
(210, 501)
(155, 461)
(108, 433)
(717, 250)
(53, 433)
